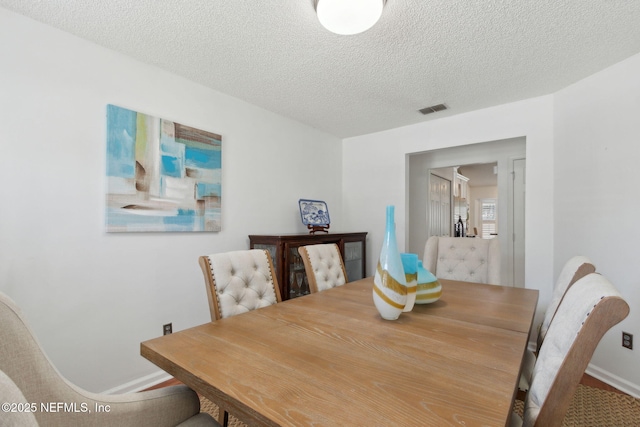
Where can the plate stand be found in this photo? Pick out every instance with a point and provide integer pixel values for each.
(315, 228)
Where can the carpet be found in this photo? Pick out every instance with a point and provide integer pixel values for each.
(591, 407)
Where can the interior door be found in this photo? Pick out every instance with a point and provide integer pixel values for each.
(439, 206)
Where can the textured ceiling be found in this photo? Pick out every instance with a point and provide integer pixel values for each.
(468, 54)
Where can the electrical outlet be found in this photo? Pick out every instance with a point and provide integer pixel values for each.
(167, 329)
(627, 340)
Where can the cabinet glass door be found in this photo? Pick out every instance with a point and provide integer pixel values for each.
(353, 260)
(296, 278)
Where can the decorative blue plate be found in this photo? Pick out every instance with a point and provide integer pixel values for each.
(314, 212)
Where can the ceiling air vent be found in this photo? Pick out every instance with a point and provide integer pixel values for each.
(433, 109)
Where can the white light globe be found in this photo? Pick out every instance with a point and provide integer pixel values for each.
(347, 17)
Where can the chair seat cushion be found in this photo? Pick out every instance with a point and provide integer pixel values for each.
(201, 420)
(528, 363)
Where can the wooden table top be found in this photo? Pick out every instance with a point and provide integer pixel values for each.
(329, 359)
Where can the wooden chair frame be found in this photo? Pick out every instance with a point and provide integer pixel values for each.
(607, 313)
(529, 360)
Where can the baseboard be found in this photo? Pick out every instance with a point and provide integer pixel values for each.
(614, 381)
(140, 384)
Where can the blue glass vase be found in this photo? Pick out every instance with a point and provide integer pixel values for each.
(429, 289)
(410, 266)
(389, 283)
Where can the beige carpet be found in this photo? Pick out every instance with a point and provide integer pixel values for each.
(591, 407)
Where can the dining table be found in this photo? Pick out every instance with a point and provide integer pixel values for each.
(329, 359)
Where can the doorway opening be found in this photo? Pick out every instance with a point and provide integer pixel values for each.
(498, 201)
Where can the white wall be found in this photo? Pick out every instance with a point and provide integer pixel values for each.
(501, 152)
(582, 149)
(596, 198)
(375, 175)
(92, 297)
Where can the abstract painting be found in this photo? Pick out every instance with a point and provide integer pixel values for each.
(161, 175)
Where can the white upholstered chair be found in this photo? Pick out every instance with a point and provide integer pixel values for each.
(239, 281)
(463, 258)
(323, 265)
(573, 270)
(10, 393)
(589, 309)
(26, 373)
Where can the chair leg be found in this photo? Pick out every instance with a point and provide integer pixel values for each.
(223, 417)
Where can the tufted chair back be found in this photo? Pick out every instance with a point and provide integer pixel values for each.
(323, 265)
(461, 258)
(239, 281)
(589, 309)
(574, 269)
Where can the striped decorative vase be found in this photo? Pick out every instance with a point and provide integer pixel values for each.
(389, 283)
(429, 289)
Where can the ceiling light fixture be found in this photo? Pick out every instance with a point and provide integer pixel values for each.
(348, 17)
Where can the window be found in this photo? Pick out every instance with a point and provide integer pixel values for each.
(489, 218)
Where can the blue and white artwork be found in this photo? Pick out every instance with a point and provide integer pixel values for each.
(161, 175)
(314, 212)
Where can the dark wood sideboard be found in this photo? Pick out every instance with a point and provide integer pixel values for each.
(288, 263)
